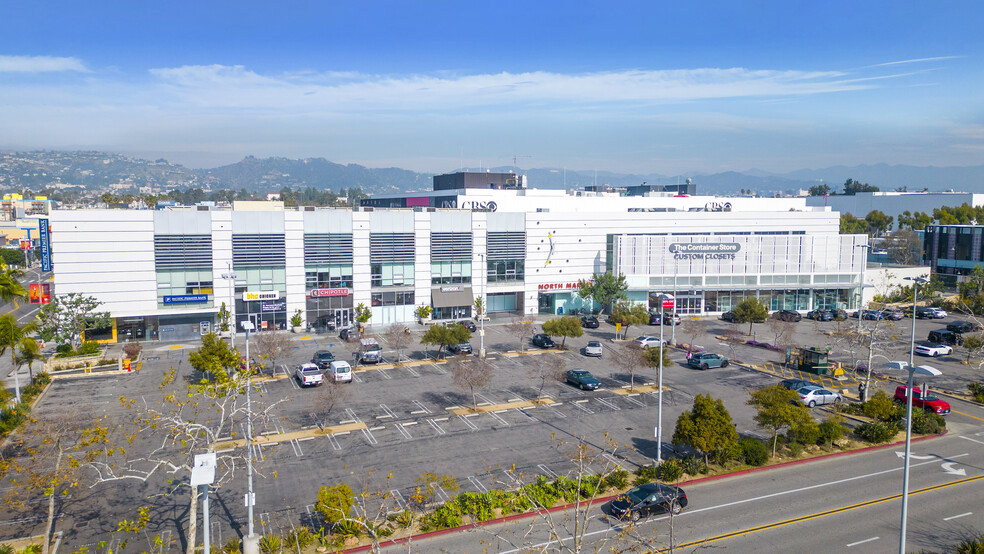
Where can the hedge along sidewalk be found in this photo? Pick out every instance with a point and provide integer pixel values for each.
(604, 499)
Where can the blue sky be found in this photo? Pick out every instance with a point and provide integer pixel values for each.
(671, 88)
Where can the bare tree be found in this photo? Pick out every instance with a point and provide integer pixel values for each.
(780, 329)
(272, 347)
(629, 360)
(547, 370)
(733, 338)
(397, 336)
(522, 328)
(329, 396)
(692, 329)
(471, 374)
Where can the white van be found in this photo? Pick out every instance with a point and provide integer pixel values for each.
(340, 371)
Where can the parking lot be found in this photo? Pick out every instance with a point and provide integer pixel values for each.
(411, 427)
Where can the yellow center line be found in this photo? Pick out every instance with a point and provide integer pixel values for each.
(968, 415)
(817, 515)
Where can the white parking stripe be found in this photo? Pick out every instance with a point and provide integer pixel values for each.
(499, 419)
(957, 516)
(423, 409)
(578, 404)
(633, 400)
(412, 371)
(546, 471)
(403, 431)
(468, 423)
(334, 442)
(384, 374)
(389, 412)
(608, 403)
(864, 541)
(401, 502)
(440, 431)
(477, 484)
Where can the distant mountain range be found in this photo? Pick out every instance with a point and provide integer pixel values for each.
(98, 170)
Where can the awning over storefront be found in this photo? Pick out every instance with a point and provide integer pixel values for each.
(454, 295)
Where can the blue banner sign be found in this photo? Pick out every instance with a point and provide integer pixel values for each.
(186, 299)
(45, 242)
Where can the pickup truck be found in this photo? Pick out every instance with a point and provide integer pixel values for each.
(309, 375)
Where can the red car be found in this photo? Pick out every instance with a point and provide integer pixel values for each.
(929, 401)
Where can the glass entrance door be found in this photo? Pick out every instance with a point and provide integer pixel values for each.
(342, 318)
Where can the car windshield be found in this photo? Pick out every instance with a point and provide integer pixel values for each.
(594, 343)
(637, 495)
(325, 356)
(309, 370)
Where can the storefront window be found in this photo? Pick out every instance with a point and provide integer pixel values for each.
(506, 270)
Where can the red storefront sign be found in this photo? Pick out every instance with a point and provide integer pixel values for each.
(321, 293)
(558, 286)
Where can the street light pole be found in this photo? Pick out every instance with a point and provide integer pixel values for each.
(481, 316)
(659, 388)
(231, 277)
(251, 543)
(864, 262)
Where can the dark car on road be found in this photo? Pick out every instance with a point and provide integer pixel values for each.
(963, 326)
(543, 341)
(729, 317)
(649, 499)
(669, 318)
(945, 336)
(462, 348)
(892, 315)
(322, 358)
(707, 360)
(468, 324)
(589, 322)
(820, 315)
(794, 384)
(787, 315)
(582, 379)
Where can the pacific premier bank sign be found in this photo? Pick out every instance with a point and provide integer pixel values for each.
(704, 250)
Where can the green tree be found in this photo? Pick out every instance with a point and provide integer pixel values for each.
(563, 327)
(479, 307)
(15, 337)
(852, 187)
(362, 315)
(443, 335)
(819, 190)
(651, 356)
(707, 427)
(915, 222)
(850, 225)
(334, 503)
(10, 285)
(972, 344)
(750, 310)
(11, 257)
(215, 358)
(878, 222)
(777, 408)
(629, 314)
(603, 288)
(68, 316)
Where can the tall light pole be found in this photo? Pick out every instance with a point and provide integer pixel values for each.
(673, 323)
(481, 316)
(663, 300)
(231, 277)
(912, 369)
(864, 262)
(252, 542)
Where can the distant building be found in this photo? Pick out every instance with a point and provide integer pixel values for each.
(953, 250)
(894, 203)
(472, 180)
(15, 206)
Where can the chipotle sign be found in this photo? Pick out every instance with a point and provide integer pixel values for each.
(320, 293)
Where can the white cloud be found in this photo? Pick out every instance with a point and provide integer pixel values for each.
(40, 64)
(914, 60)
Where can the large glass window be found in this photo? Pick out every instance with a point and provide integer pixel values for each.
(178, 282)
(328, 277)
(443, 273)
(396, 298)
(506, 270)
(391, 274)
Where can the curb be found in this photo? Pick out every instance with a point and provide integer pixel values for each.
(602, 500)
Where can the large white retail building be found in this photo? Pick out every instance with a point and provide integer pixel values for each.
(164, 274)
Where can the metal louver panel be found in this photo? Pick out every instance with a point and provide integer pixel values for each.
(325, 248)
(390, 248)
(182, 252)
(451, 247)
(507, 245)
(258, 250)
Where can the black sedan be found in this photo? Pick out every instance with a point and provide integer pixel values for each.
(468, 324)
(589, 322)
(728, 316)
(648, 499)
(322, 358)
(543, 341)
(787, 315)
(582, 379)
(820, 315)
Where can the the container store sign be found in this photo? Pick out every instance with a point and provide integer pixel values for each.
(262, 295)
(322, 293)
(704, 250)
(572, 285)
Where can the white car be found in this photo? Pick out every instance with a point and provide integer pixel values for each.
(649, 341)
(593, 349)
(814, 395)
(309, 375)
(340, 371)
(932, 350)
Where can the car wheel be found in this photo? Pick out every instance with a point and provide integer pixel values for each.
(675, 508)
(581, 386)
(812, 403)
(837, 400)
(899, 401)
(635, 515)
(724, 363)
(703, 366)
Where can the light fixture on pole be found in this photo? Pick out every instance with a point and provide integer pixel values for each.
(864, 262)
(203, 474)
(251, 543)
(231, 277)
(665, 301)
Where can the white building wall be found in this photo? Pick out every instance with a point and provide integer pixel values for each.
(224, 289)
(294, 264)
(361, 278)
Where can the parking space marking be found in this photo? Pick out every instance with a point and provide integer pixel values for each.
(422, 409)
(314, 516)
(499, 419)
(334, 442)
(439, 369)
(485, 399)
(389, 412)
(412, 371)
(403, 431)
(401, 502)
(527, 414)
(441, 493)
(263, 519)
(611, 458)
(384, 373)
(293, 383)
(437, 427)
(957, 516)
(578, 404)
(546, 471)
(629, 398)
(468, 422)
(477, 484)
(297, 448)
(356, 378)
(608, 403)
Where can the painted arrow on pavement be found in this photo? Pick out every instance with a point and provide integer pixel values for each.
(948, 468)
(915, 457)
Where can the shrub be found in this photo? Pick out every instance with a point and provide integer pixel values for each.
(42, 379)
(971, 546)
(591, 485)
(830, 430)
(88, 348)
(805, 432)
(63, 349)
(404, 519)
(927, 423)
(795, 449)
(270, 544)
(881, 407)
(692, 465)
(479, 506)
(669, 471)
(618, 479)
(347, 528)
(646, 474)
(566, 488)
(132, 349)
(753, 451)
(977, 391)
(232, 546)
(852, 408)
(876, 431)
(541, 492)
(334, 503)
(445, 517)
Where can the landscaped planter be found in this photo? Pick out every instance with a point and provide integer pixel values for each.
(79, 362)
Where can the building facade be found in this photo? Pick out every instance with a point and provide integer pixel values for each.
(165, 274)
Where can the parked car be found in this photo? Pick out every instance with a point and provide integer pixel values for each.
(929, 312)
(929, 401)
(729, 317)
(468, 324)
(643, 342)
(582, 379)
(543, 341)
(589, 322)
(322, 358)
(668, 319)
(963, 326)
(940, 313)
(892, 315)
(932, 349)
(707, 360)
(872, 315)
(794, 384)
(461, 348)
(943, 336)
(839, 314)
(787, 315)
(347, 334)
(593, 349)
(308, 375)
(370, 352)
(648, 499)
(820, 315)
(813, 395)
(340, 371)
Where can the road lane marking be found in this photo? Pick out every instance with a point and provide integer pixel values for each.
(956, 516)
(968, 415)
(864, 541)
(971, 440)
